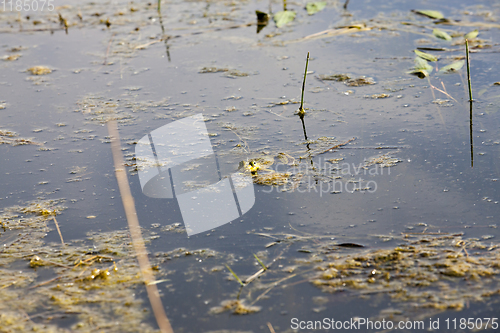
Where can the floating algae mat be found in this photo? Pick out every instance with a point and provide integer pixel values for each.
(88, 285)
(425, 273)
(91, 283)
(91, 286)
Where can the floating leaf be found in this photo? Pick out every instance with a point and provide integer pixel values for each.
(441, 34)
(350, 245)
(445, 21)
(284, 17)
(262, 20)
(421, 73)
(260, 262)
(235, 276)
(262, 17)
(433, 14)
(452, 68)
(314, 7)
(432, 48)
(423, 64)
(422, 68)
(426, 56)
(471, 35)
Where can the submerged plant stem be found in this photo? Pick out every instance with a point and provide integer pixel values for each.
(471, 137)
(135, 231)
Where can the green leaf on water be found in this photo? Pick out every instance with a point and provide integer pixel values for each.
(452, 68)
(260, 262)
(423, 64)
(421, 73)
(314, 7)
(422, 68)
(471, 35)
(441, 34)
(235, 276)
(433, 14)
(284, 17)
(426, 56)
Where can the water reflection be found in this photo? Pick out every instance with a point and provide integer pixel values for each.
(177, 161)
(471, 142)
(163, 36)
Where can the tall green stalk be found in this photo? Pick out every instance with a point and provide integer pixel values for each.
(235, 276)
(301, 109)
(470, 102)
(468, 68)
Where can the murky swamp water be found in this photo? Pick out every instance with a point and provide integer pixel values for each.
(387, 211)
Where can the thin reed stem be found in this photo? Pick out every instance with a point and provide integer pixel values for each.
(301, 109)
(468, 69)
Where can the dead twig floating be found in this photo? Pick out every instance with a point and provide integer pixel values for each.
(58, 230)
(165, 38)
(107, 50)
(264, 268)
(335, 147)
(47, 282)
(443, 92)
(271, 329)
(332, 32)
(135, 231)
(270, 288)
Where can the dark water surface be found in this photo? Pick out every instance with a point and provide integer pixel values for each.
(100, 72)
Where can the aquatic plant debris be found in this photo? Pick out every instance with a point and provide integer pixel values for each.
(335, 77)
(424, 274)
(410, 273)
(452, 68)
(213, 70)
(422, 68)
(379, 96)
(11, 138)
(385, 160)
(433, 14)
(11, 57)
(441, 34)
(108, 276)
(39, 70)
(360, 81)
(236, 307)
(266, 134)
(425, 56)
(283, 17)
(314, 7)
(471, 35)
